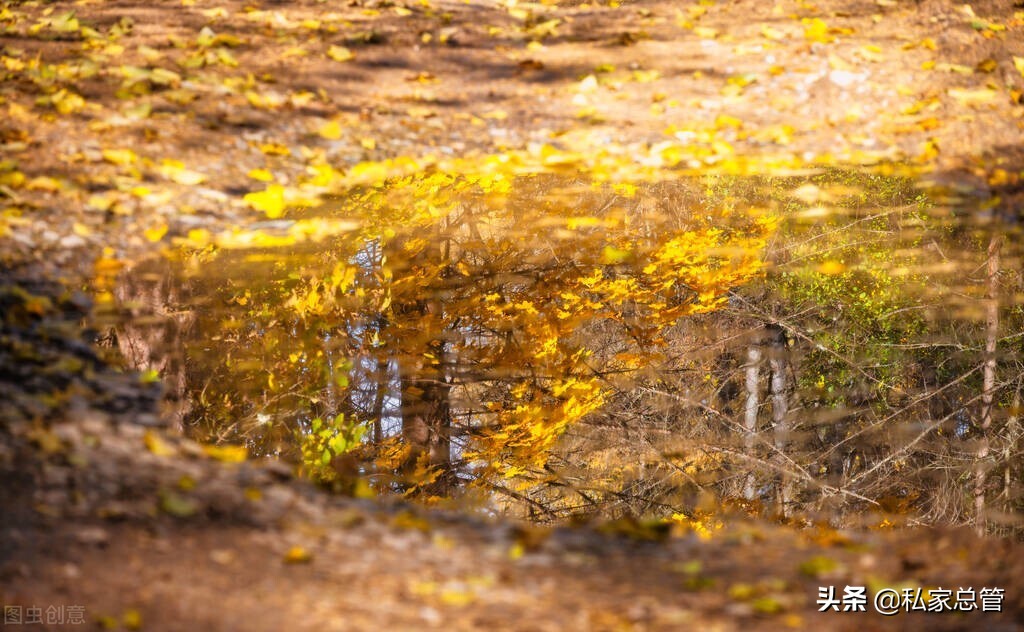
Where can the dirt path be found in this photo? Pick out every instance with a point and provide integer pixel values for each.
(127, 125)
(178, 542)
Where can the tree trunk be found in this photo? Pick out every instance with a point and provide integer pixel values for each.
(1012, 434)
(778, 363)
(378, 400)
(753, 375)
(331, 395)
(988, 383)
(425, 407)
(426, 416)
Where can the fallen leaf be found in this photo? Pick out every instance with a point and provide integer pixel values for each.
(269, 201)
(298, 555)
(261, 174)
(274, 149)
(815, 30)
(986, 65)
(227, 453)
(155, 233)
(120, 157)
(176, 171)
(979, 96)
(155, 444)
(177, 505)
(831, 268)
(132, 619)
(340, 53)
(331, 130)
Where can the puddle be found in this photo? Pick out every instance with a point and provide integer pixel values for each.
(809, 344)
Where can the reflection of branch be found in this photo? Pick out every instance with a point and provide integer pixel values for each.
(799, 473)
(522, 498)
(928, 429)
(906, 408)
(840, 229)
(740, 429)
(817, 345)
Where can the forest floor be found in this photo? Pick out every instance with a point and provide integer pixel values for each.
(127, 125)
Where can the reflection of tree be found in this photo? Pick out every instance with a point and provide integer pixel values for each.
(590, 348)
(530, 300)
(482, 316)
(893, 358)
(152, 339)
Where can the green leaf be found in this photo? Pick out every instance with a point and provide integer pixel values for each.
(177, 505)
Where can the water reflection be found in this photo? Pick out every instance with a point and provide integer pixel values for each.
(811, 345)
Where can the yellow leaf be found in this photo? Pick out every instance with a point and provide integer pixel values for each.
(120, 157)
(226, 453)
(261, 174)
(14, 179)
(1018, 63)
(157, 445)
(421, 112)
(43, 183)
(613, 256)
(645, 76)
(340, 53)
(274, 149)
(298, 555)
(587, 84)
(150, 54)
(516, 551)
(226, 58)
(957, 68)
(131, 619)
(331, 130)
(156, 233)
(966, 96)
(175, 171)
(456, 597)
(65, 23)
(164, 77)
(139, 111)
(46, 439)
(270, 201)
(986, 65)
(831, 268)
(871, 53)
(100, 201)
(723, 121)
(815, 30)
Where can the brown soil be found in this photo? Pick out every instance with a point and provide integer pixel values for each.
(184, 542)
